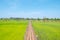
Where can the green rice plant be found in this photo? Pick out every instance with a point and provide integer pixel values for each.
(13, 30)
(47, 30)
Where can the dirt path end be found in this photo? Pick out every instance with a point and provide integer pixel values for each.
(30, 35)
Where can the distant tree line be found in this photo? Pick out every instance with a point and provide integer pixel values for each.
(49, 19)
(44, 19)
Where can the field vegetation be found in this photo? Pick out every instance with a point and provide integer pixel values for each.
(12, 29)
(47, 30)
(15, 28)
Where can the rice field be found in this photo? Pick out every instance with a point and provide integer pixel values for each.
(47, 30)
(13, 29)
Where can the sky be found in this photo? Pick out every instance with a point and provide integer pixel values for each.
(30, 8)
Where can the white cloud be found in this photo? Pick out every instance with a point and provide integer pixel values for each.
(42, 0)
(12, 3)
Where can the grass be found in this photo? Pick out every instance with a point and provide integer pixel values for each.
(47, 30)
(12, 29)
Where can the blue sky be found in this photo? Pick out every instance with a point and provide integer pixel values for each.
(30, 8)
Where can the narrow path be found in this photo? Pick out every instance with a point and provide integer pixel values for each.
(30, 35)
